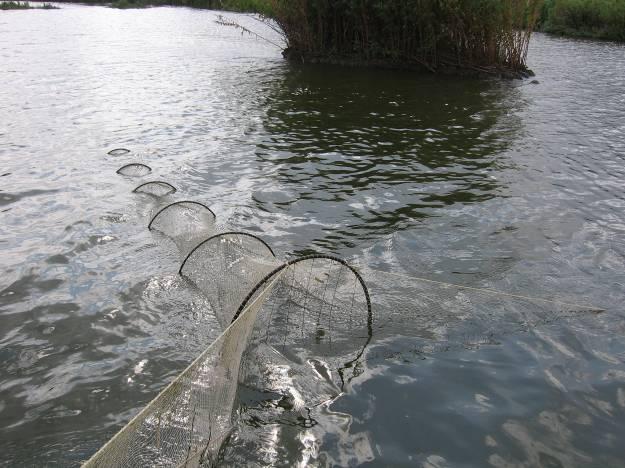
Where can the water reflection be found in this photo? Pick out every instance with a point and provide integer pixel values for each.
(373, 152)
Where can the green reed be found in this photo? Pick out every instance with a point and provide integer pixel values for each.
(489, 36)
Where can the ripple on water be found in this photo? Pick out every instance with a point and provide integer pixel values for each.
(482, 183)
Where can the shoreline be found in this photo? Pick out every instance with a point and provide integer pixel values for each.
(468, 71)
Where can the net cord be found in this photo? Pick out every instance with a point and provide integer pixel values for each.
(237, 233)
(587, 307)
(119, 171)
(118, 151)
(179, 203)
(155, 182)
(302, 259)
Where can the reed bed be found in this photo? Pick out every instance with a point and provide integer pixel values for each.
(484, 36)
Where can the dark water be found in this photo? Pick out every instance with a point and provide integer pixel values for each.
(508, 185)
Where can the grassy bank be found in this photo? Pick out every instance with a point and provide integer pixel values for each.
(476, 36)
(25, 6)
(599, 19)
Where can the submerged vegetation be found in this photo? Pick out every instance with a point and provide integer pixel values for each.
(25, 6)
(600, 19)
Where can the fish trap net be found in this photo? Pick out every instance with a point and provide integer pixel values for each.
(294, 338)
(296, 334)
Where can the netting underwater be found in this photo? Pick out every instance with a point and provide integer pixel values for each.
(295, 334)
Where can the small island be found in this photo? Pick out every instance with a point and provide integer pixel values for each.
(485, 38)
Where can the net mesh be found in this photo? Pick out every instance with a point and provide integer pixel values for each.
(134, 170)
(312, 329)
(187, 422)
(156, 188)
(226, 267)
(187, 223)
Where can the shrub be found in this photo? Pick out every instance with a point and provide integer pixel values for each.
(603, 19)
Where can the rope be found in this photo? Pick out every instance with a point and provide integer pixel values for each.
(590, 308)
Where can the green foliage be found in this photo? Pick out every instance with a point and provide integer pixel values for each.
(15, 6)
(602, 19)
(122, 4)
(435, 34)
(25, 6)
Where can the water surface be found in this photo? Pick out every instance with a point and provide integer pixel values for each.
(506, 185)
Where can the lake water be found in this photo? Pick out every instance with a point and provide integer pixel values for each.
(508, 185)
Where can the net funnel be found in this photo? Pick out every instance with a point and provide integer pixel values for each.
(119, 151)
(226, 267)
(311, 331)
(134, 170)
(186, 222)
(156, 188)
